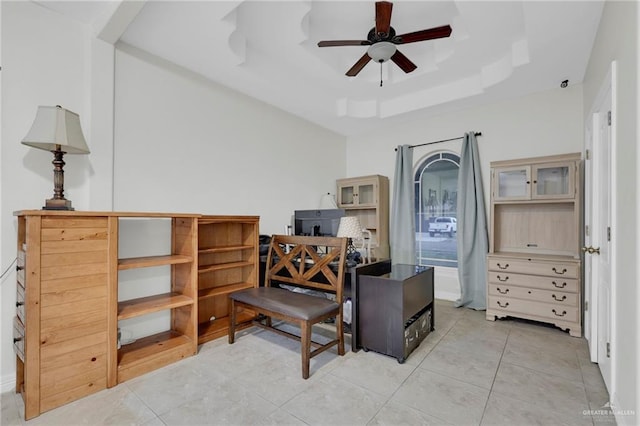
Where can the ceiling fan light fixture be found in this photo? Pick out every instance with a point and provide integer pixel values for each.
(381, 51)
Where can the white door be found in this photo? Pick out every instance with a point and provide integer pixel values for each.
(603, 235)
(602, 239)
(599, 254)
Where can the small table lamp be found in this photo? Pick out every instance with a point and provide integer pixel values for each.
(350, 227)
(57, 130)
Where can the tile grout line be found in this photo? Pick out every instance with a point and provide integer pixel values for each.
(484, 410)
(416, 367)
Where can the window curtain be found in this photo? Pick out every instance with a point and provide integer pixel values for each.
(403, 227)
(473, 242)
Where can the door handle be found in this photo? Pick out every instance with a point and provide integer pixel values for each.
(591, 250)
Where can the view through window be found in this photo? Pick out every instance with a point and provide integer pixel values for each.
(436, 186)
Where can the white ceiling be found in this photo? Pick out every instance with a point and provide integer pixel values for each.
(268, 50)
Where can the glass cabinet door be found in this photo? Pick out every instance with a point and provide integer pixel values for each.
(358, 194)
(346, 196)
(366, 194)
(512, 183)
(553, 181)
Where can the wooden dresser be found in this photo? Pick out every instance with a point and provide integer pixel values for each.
(534, 262)
(69, 308)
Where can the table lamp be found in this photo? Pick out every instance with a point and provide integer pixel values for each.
(350, 228)
(57, 130)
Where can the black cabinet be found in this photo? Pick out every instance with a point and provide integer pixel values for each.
(396, 310)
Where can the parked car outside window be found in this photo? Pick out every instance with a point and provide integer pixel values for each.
(443, 225)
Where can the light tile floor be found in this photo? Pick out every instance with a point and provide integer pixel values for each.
(469, 371)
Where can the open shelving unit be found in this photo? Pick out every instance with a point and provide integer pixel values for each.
(227, 262)
(151, 352)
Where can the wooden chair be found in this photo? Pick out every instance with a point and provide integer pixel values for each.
(315, 263)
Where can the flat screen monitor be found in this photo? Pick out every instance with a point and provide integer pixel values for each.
(318, 223)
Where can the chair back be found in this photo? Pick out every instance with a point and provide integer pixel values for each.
(309, 262)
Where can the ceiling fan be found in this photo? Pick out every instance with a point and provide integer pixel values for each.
(382, 41)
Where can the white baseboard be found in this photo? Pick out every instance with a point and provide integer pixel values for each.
(8, 383)
(447, 285)
(624, 416)
(447, 295)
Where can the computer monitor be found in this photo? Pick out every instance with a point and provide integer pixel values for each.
(323, 222)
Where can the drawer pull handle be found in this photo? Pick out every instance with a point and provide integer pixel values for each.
(557, 314)
(555, 284)
(500, 304)
(16, 339)
(18, 304)
(562, 299)
(505, 278)
(19, 268)
(503, 267)
(502, 292)
(559, 273)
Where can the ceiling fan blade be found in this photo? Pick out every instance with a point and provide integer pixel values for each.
(330, 43)
(357, 67)
(430, 34)
(403, 62)
(383, 17)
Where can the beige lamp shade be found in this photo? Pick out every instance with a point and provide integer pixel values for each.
(350, 227)
(54, 126)
(328, 202)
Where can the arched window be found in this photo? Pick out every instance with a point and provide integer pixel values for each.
(436, 189)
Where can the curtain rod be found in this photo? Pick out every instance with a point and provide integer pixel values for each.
(444, 140)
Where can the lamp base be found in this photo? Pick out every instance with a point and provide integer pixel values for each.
(57, 204)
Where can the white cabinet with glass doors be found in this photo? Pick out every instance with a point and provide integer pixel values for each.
(535, 181)
(358, 192)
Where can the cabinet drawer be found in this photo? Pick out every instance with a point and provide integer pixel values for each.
(20, 266)
(20, 302)
(536, 267)
(569, 285)
(511, 306)
(18, 338)
(556, 297)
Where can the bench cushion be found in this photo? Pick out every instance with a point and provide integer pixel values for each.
(285, 302)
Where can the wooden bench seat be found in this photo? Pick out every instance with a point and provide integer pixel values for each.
(315, 263)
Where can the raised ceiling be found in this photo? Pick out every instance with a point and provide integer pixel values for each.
(268, 50)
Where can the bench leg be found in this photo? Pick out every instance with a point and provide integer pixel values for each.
(232, 321)
(305, 349)
(340, 332)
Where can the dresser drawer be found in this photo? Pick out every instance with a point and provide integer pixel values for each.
(547, 296)
(20, 302)
(569, 285)
(536, 267)
(18, 338)
(512, 306)
(20, 267)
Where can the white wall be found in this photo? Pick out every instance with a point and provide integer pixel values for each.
(185, 144)
(617, 39)
(43, 63)
(545, 123)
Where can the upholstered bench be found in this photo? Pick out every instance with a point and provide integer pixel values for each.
(315, 263)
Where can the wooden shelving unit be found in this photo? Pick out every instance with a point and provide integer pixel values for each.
(154, 351)
(227, 262)
(66, 327)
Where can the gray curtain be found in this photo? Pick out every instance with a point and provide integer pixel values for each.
(403, 227)
(473, 243)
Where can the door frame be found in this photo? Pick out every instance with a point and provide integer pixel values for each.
(592, 318)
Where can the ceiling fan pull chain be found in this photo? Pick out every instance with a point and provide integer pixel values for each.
(380, 73)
